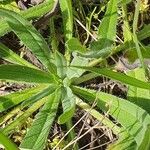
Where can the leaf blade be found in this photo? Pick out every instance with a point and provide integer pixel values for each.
(29, 35)
(40, 129)
(13, 99)
(68, 103)
(117, 76)
(25, 74)
(137, 120)
(139, 96)
(66, 9)
(107, 28)
(12, 57)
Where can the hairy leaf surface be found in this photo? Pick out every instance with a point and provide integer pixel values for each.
(39, 131)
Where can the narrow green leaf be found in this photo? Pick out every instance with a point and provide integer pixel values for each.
(126, 28)
(139, 96)
(43, 93)
(10, 128)
(32, 12)
(25, 74)
(39, 131)
(13, 99)
(12, 57)
(39, 10)
(118, 76)
(133, 118)
(106, 33)
(61, 64)
(7, 143)
(107, 28)
(68, 103)
(66, 9)
(28, 35)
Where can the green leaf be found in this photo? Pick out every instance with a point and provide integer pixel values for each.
(130, 50)
(74, 45)
(13, 99)
(28, 35)
(68, 103)
(9, 4)
(117, 76)
(132, 56)
(139, 96)
(92, 111)
(61, 65)
(101, 48)
(7, 143)
(39, 131)
(66, 9)
(133, 118)
(144, 33)
(106, 33)
(125, 142)
(12, 57)
(39, 10)
(127, 35)
(25, 74)
(43, 93)
(123, 2)
(107, 28)
(77, 61)
(32, 12)
(10, 128)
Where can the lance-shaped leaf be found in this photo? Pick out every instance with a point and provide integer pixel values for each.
(10, 128)
(12, 57)
(139, 96)
(39, 10)
(133, 118)
(43, 93)
(107, 28)
(118, 76)
(39, 131)
(106, 33)
(28, 35)
(68, 103)
(61, 64)
(13, 99)
(32, 12)
(25, 74)
(66, 9)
